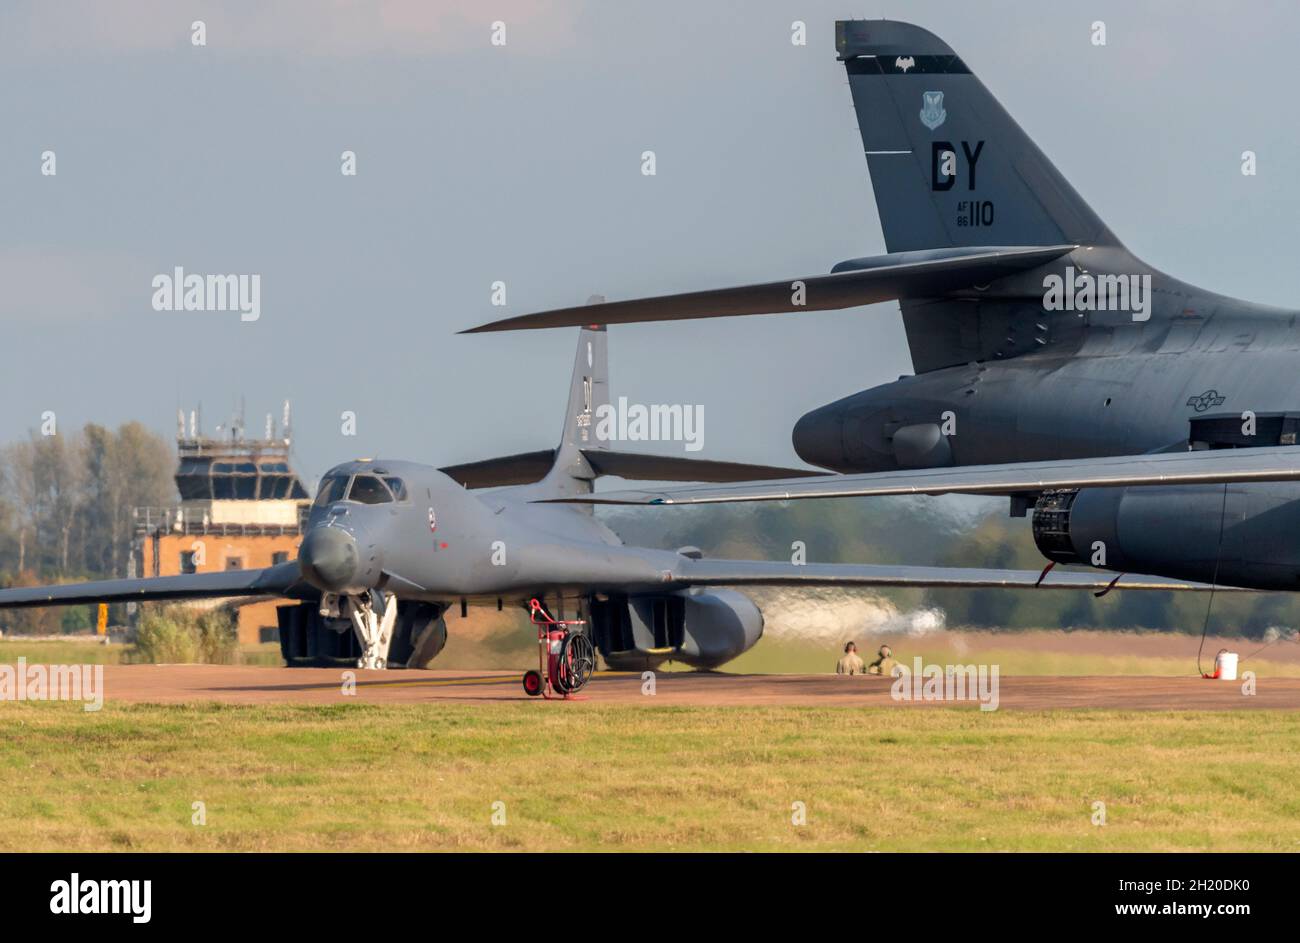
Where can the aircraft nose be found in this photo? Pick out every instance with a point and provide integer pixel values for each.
(328, 558)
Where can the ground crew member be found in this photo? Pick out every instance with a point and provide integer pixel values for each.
(850, 664)
(884, 664)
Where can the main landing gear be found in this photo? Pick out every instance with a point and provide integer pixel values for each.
(566, 659)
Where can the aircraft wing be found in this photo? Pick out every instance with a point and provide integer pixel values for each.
(706, 572)
(924, 274)
(283, 579)
(1276, 463)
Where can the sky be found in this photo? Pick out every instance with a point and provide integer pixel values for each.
(521, 163)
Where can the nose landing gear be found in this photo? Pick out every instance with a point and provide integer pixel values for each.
(374, 630)
(566, 659)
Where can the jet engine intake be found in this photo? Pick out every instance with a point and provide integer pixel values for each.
(1245, 535)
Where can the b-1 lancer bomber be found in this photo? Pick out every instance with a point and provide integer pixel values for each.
(391, 546)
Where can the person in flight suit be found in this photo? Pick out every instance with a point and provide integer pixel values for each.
(851, 663)
(884, 663)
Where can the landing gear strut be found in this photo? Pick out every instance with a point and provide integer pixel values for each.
(374, 630)
(566, 660)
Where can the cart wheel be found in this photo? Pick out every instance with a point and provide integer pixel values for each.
(577, 663)
(532, 683)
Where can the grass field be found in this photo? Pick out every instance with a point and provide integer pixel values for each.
(88, 650)
(626, 778)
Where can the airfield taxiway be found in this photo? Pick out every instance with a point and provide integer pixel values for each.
(233, 684)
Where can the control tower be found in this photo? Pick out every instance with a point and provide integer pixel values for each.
(242, 507)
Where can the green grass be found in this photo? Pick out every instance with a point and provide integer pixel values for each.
(88, 650)
(587, 776)
(78, 650)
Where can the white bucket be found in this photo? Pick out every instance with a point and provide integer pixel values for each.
(1226, 664)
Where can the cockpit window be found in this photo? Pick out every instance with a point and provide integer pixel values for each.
(332, 489)
(398, 488)
(367, 489)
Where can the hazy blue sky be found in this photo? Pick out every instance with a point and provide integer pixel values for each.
(522, 163)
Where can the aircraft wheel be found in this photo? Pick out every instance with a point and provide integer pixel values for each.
(532, 683)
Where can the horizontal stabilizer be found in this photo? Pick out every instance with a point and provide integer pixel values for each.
(923, 274)
(529, 467)
(522, 469)
(771, 573)
(1278, 463)
(639, 467)
(283, 579)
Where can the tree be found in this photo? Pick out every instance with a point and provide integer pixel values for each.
(20, 461)
(124, 470)
(59, 477)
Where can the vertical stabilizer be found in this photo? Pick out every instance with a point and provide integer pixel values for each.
(588, 391)
(951, 169)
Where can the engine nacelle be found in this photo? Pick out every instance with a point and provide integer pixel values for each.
(700, 628)
(1248, 536)
(873, 431)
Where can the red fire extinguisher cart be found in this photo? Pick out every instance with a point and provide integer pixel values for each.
(566, 659)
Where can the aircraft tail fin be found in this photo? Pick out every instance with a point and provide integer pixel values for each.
(974, 217)
(588, 391)
(950, 168)
(571, 469)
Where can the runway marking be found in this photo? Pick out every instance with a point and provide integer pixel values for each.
(453, 682)
(433, 683)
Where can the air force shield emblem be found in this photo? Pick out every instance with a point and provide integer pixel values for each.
(932, 113)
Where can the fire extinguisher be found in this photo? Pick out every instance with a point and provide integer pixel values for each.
(565, 659)
(554, 649)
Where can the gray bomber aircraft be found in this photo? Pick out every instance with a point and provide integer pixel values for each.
(1036, 337)
(391, 546)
